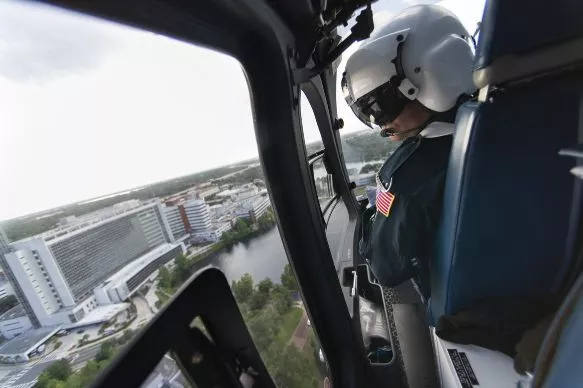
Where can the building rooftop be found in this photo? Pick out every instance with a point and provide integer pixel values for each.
(14, 312)
(88, 221)
(135, 266)
(100, 314)
(27, 341)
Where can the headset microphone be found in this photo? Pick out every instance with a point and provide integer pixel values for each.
(387, 132)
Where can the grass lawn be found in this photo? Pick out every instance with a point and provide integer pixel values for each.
(289, 323)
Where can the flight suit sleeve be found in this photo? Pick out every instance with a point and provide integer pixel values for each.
(407, 232)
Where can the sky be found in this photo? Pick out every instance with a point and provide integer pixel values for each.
(89, 107)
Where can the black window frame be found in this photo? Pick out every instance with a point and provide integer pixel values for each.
(255, 34)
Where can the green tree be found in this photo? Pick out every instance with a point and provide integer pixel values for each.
(260, 297)
(265, 286)
(288, 279)
(295, 370)
(43, 381)
(266, 221)
(59, 370)
(243, 288)
(263, 328)
(181, 270)
(164, 277)
(241, 227)
(127, 335)
(281, 298)
(86, 376)
(106, 350)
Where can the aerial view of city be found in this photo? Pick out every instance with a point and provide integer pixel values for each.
(79, 281)
(125, 176)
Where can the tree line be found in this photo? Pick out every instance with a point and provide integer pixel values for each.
(272, 318)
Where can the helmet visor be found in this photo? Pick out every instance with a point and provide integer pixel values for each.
(379, 106)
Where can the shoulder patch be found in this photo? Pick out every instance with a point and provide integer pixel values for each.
(385, 200)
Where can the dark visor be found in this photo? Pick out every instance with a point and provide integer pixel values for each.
(378, 107)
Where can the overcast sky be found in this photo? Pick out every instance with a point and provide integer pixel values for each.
(88, 107)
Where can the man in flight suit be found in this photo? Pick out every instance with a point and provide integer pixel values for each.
(408, 81)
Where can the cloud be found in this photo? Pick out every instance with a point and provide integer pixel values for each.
(39, 46)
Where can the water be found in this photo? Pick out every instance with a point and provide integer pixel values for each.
(264, 256)
(320, 171)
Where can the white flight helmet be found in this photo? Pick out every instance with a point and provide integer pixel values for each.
(423, 54)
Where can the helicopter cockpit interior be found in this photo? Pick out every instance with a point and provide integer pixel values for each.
(509, 251)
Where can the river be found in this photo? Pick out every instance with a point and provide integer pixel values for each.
(264, 256)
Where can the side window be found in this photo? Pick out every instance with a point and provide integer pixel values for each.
(315, 152)
(126, 177)
(334, 210)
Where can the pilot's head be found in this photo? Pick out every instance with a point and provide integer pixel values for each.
(409, 71)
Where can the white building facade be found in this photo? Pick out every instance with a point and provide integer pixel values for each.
(211, 235)
(198, 214)
(58, 271)
(253, 208)
(175, 221)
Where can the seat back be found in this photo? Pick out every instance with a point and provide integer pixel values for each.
(508, 193)
(507, 196)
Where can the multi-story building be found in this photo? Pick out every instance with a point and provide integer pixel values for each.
(213, 234)
(207, 191)
(4, 244)
(176, 217)
(253, 208)
(58, 271)
(121, 285)
(198, 215)
(16, 287)
(6, 288)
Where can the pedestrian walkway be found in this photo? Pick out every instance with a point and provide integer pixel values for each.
(30, 384)
(51, 357)
(12, 378)
(301, 334)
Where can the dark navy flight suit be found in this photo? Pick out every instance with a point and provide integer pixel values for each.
(399, 232)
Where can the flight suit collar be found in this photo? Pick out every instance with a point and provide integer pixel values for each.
(400, 156)
(408, 147)
(437, 129)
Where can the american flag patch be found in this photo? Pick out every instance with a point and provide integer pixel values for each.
(385, 198)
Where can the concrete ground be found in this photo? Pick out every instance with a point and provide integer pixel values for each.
(144, 311)
(151, 297)
(25, 375)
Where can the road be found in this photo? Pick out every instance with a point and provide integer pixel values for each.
(25, 376)
(80, 357)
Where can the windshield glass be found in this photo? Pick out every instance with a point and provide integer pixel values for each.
(124, 175)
